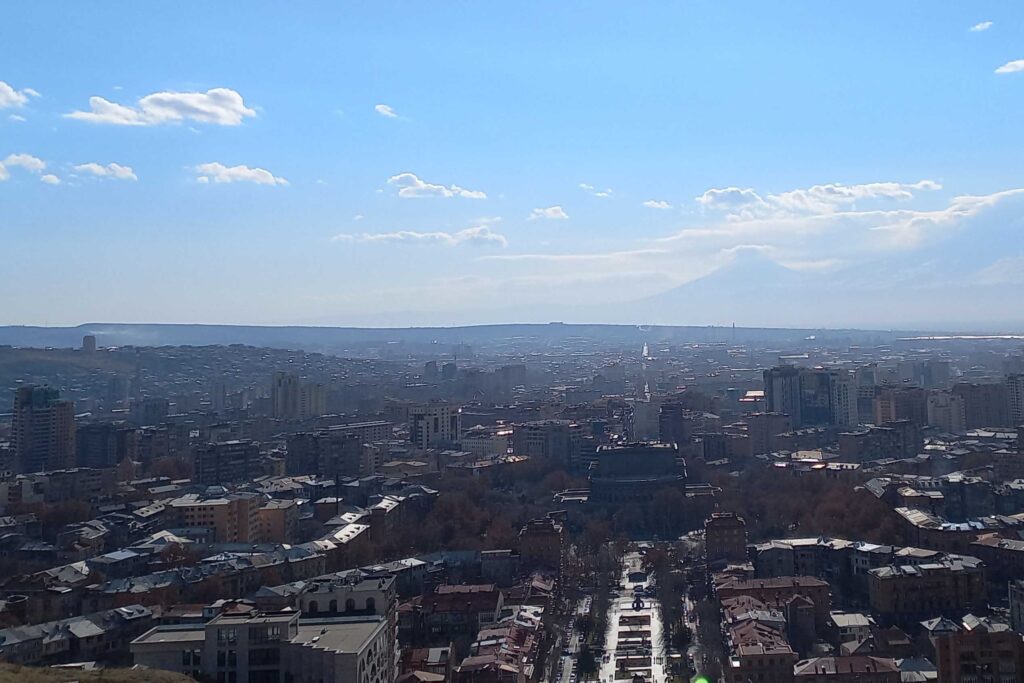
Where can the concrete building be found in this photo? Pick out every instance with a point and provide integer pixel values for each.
(981, 651)
(985, 405)
(312, 401)
(946, 411)
(279, 521)
(284, 396)
(234, 518)
(783, 393)
(763, 428)
(903, 403)
(434, 424)
(541, 542)
(105, 444)
(557, 441)
(1015, 398)
(634, 473)
(908, 593)
(725, 537)
(273, 648)
(42, 430)
(225, 462)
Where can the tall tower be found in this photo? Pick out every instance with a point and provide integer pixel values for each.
(284, 395)
(43, 432)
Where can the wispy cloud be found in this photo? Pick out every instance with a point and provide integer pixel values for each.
(50, 179)
(657, 204)
(385, 111)
(9, 97)
(411, 186)
(1013, 67)
(591, 190)
(479, 235)
(218, 106)
(219, 173)
(549, 213)
(981, 26)
(112, 170)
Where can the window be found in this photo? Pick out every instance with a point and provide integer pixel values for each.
(334, 606)
(314, 608)
(350, 605)
(371, 604)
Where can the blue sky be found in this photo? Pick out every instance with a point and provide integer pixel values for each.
(378, 163)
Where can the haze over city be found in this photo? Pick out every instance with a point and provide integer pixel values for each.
(336, 164)
(661, 342)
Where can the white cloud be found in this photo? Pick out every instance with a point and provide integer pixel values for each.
(9, 97)
(1011, 67)
(115, 171)
(386, 111)
(479, 235)
(24, 161)
(50, 179)
(657, 204)
(747, 203)
(981, 26)
(219, 173)
(17, 118)
(590, 189)
(409, 186)
(358, 217)
(219, 106)
(729, 198)
(549, 213)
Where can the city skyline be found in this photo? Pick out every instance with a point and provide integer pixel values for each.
(849, 167)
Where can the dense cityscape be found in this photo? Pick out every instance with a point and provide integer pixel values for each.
(511, 342)
(546, 503)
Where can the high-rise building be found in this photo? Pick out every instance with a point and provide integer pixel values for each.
(435, 423)
(905, 403)
(43, 430)
(284, 396)
(225, 462)
(782, 392)
(1015, 398)
(312, 401)
(812, 396)
(106, 444)
(985, 405)
(89, 343)
(946, 412)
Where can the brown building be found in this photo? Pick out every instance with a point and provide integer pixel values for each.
(982, 651)
(853, 669)
(763, 428)
(908, 593)
(985, 405)
(234, 518)
(758, 653)
(776, 592)
(541, 542)
(725, 537)
(279, 521)
(42, 430)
